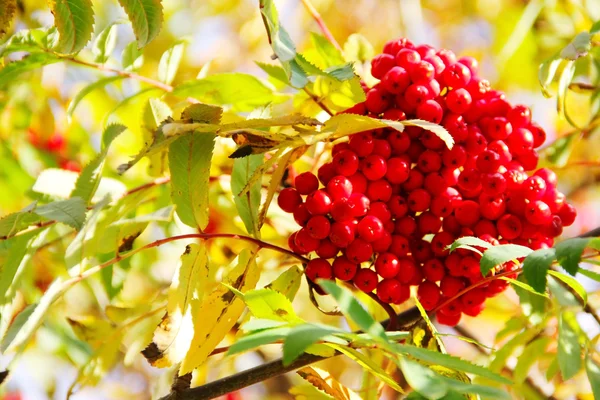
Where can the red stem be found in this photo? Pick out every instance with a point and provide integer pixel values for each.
(319, 20)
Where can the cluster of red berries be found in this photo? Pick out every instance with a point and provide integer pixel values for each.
(55, 145)
(392, 202)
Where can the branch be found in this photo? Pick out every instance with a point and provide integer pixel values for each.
(269, 370)
(317, 17)
(125, 74)
(319, 102)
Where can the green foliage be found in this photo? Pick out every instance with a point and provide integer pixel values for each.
(105, 43)
(569, 350)
(498, 255)
(247, 204)
(74, 20)
(169, 63)
(146, 18)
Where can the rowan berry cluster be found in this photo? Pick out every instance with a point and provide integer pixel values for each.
(384, 210)
(56, 145)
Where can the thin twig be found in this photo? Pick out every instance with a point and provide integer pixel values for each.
(319, 102)
(319, 20)
(393, 321)
(125, 74)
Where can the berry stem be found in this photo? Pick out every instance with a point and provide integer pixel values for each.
(392, 324)
(319, 20)
(319, 102)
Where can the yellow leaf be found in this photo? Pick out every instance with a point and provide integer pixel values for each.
(269, 304)
(173, 336)
(288, 282)
(90, 329)
(323, 381)
(319, 349)
(214, 316)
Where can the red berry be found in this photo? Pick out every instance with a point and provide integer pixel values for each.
(429, 295)
(318, 268)
(370, 228)
(365, 280)
(306, 183)
(391, 291)
(374, 167)
(318, 227)
(387, 265)
(339, 187)
(318, 203)
(343, 269)
(341, 234)
(381, 64)
(289, 200)
(396, 80)
(359, 251)
(345, 163)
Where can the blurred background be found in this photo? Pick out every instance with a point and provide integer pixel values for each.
(510, 38)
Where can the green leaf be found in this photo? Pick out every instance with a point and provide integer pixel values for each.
(132, 57)
(189, 162)
(573, 284)
(247, 204)
(536, 266)
(12, 223)
(593, 369)
(507, 349)
(564, 81)
(448, 361)
(70, 212)
(242, 92)
(469, 242)
(590, 274)
(256, 324)
(568, 253)
(288, 282)
(19, 249)
(569, 350)
(353, 309)
(74, 20)
(105, 43)
(260, 338)
(439, 130)
(595, 28)
(89, 178)
(578, 47)
(16, 325)
(546, 74)
(11, 71)
(35, 319)
(486, 392)
(358, 48)
(303, 336)
(29, 40)
(533, 305)
(532, 352)
(560, 150)
(7, 12)
(274, 71)
(369, 365)
(169, 63)
(280, 40)
(146, 18)
(422, 379)
(498, 255)
(89, 89)
(202, 113)
(524, 286)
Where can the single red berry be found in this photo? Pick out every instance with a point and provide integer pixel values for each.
(473, 297)
(519, 116)
(456, 76)
(341, 234)
(379, 190)
(365, 280)
(387, 265)
(377, 100)
(318, 227)
(534, 187)
(430, 110)
(339, 187)
(301, 215)
(359, 251)
(408, 270)
(370, 228)
(289, 200)
(328, 171)
(434, 270)
(343, 269)
(567, 214)
(327, 249)
(381, 64)
(318, 268)
(318, 203)
(345, 163)
(538, 213)
(304, 242)
(306, 183)
(380, 210)
(448, 320)
(422, 72)
(359, 204)
(429, 295)
(391, 291)
(419, 200)
(361, 143)
(509, 226)
(467, 212)
(396, 80)
(451, 286)
(374, 167)
(408, 58)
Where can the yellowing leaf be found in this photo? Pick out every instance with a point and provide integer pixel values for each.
(90, 329)
(288, 282)
(269, 304)
(174, 334)
(323, 380)
(214, 316)
(7, 11)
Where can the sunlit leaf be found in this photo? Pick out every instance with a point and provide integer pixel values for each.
(568, 253)
(469, 242)
(530, 355)
(269, 304)
(325, 382)
(257, 339)
(573, 284)
(546, 74)
(70, 212)
(89, 177)
(132, 57)
(536, 266)
(301, 337)
(593, 371)
(146, 18)
(11, 71)
(439, 130)
(498, 255)
(173, 337)
(169, 63)
(569, 350)
(358, 48)
(248, 203)
(353, 309)
(214, 316)
(74, 20)
(288, 282)
(578, 47)
(105, 43)
(423, 379)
